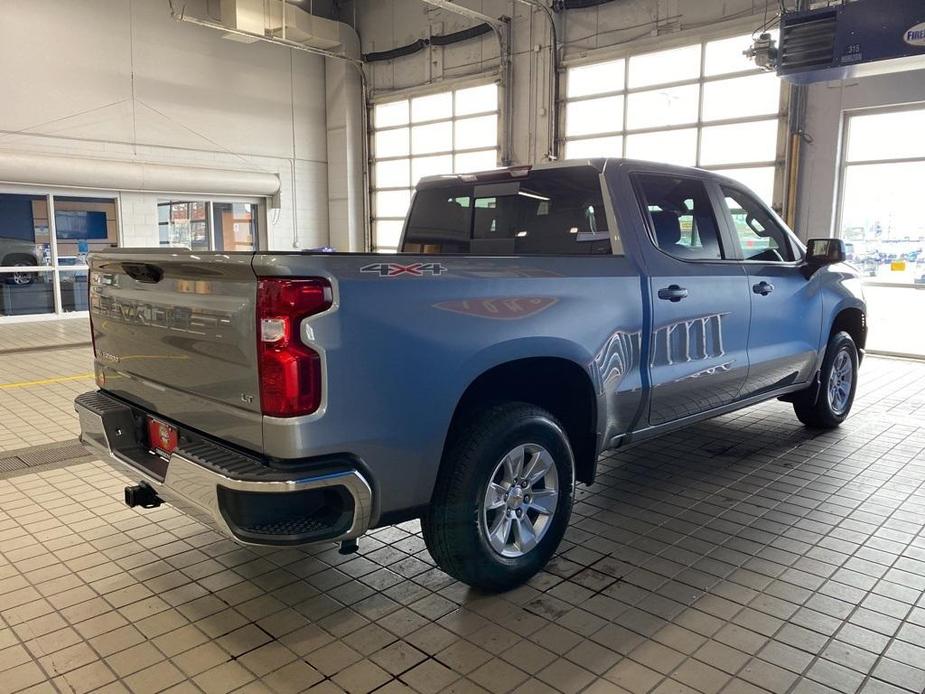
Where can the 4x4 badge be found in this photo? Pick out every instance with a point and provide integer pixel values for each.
(398, 270)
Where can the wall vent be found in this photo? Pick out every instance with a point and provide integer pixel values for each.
(808, 42)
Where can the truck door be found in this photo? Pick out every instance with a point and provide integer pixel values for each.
(698, 356)
(786, 307)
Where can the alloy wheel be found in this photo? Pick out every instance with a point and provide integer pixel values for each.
(520, 500)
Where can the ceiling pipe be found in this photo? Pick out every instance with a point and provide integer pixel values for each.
(553, 118)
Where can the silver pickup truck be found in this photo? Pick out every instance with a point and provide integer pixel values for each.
(534, 317)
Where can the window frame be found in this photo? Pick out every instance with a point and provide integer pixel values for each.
(727, 30)
(259, 217)
(55, 269)
(843, 166)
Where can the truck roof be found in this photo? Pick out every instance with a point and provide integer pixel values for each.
(517, 171)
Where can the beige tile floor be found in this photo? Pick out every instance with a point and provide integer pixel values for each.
(38, 386)
(743, 554)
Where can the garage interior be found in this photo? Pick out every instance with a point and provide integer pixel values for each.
(742, 554)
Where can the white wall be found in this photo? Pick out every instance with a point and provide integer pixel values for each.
(120, 79)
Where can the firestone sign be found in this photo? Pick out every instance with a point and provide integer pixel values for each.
(916, 35)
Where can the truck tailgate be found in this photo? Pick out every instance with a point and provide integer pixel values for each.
(175, 333)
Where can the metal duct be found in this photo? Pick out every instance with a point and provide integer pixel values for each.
(106, 174)
(348, 185)
(346, 121)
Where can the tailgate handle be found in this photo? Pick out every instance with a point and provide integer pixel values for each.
(143, 272)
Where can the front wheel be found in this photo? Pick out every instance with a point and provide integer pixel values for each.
(503, 497)
(838, 380)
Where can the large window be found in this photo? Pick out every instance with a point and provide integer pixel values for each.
(43, 257)
(881, 221)
(444, 133)
(203, 225)
(699, 105)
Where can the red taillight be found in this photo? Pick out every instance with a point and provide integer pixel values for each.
(290, 372)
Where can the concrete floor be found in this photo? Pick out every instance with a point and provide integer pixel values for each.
(738, 555)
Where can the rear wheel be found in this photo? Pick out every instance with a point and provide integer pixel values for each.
(838, 384)
(503, 497)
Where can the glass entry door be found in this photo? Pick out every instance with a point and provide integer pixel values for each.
(882, 223)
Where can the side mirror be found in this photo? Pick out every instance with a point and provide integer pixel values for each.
(822, 252)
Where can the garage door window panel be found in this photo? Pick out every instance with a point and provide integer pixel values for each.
(664, 67)
(670, 146)
(591, 116)
(636, 107)
(598, 78)
(727, 56)
(741, 97)
(662, 107)
(429, 135)
(475, 100)
(432, 107)
(590, 148)
(739, 143)
(394, 173)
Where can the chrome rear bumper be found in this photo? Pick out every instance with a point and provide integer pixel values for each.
(216, 484)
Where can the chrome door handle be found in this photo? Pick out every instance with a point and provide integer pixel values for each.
(673, 293)
(763, 288)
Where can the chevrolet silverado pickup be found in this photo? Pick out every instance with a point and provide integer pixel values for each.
(533, 317)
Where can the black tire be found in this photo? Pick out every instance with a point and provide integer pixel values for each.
(19, 278)
(455, 524)
(815, 407)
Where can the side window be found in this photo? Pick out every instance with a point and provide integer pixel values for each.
(681, 217)
(759, 235)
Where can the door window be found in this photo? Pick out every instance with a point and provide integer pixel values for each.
(759, 235)
(681, 217)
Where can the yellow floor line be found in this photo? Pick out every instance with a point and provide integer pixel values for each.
(46, 381)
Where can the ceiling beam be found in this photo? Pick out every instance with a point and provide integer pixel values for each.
(466, 12)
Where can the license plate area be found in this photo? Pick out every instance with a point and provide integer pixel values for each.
(163, 438)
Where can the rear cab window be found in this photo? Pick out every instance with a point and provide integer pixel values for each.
(548, 212)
